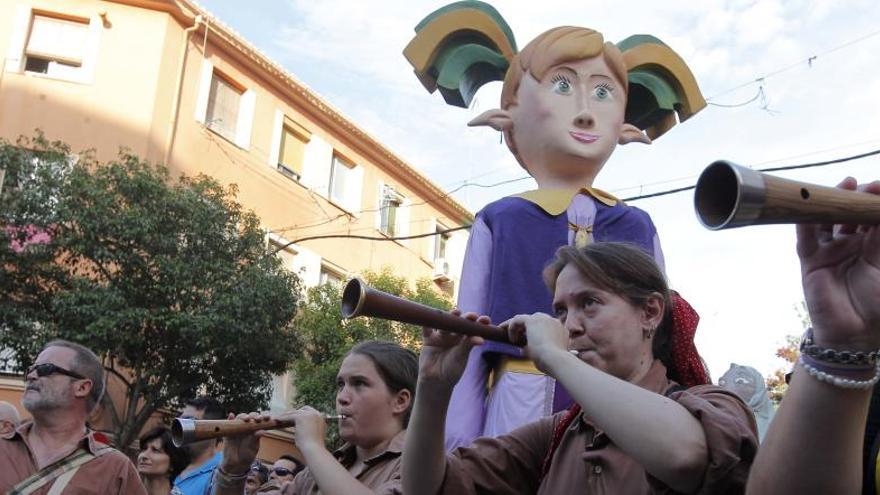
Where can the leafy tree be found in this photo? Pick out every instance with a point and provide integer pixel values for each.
(325, 340)
(789, 352)
(168, 280)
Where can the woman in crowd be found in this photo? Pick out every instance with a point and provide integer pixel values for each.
(645, 419)
(375, 389)
(256, 477)
(159, 461)
(815, 442)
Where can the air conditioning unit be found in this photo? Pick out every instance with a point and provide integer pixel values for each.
(288, 172)
(441, 270)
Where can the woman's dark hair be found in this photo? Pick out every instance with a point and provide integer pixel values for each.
(627, 271)
(178, 460)
(398, 367)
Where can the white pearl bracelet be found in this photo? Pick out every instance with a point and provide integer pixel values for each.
(841, 382)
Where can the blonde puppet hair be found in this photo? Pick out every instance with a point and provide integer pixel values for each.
(557, 46)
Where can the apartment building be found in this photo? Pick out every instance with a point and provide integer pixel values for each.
(173, 84)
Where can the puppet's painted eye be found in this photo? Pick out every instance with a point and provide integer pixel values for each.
(561, 85)
(603, 92)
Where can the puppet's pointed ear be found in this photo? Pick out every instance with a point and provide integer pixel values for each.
(497, 119)
(632, 134)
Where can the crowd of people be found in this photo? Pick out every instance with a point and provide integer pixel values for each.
(604, 391)
(644, 421)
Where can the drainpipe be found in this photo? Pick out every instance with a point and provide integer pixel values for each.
(175, 104)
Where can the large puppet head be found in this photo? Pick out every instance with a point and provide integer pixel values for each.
(562, 106)
(569, 97)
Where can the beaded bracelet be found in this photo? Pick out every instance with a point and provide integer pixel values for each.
(839, 381)
(809, 348)
(863, 372)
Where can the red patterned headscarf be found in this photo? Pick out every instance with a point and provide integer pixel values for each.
(686, 363)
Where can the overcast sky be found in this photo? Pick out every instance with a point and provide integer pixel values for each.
(745, 283)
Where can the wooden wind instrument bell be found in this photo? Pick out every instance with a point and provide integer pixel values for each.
(729, 195)
(187, 430)
(359, 299)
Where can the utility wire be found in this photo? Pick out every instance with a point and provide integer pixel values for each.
(369, 238)
(633, 198)
(736, 105)
(809, 61)
(770, 169)
(629, 199)
(429, 200)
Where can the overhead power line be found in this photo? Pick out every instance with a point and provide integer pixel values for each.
(369, 238)
(426, 201)
(629, 199)
(808, 61)
(770, 169)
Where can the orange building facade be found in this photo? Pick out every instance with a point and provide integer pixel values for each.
(173, 84)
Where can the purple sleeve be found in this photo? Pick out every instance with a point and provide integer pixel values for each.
(658, 253)
(467, 407)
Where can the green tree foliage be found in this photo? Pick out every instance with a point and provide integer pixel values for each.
(325, 338)
(168, 280)
(788, 352)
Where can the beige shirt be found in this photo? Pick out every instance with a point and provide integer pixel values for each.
(109, 474)
(380, 473)
(588, 461)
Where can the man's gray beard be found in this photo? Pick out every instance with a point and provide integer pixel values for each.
(45, 402)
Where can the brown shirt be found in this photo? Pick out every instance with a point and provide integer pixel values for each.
(587, 460)
(380, 473)
(109, 474)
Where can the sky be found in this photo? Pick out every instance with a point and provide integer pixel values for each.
(811, 64)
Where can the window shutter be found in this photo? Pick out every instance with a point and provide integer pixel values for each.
(455, 248)
(57, 39)
(354, 189)
(275, 145)
(403, 219)
(380, 196)
(14, 54)
(316, 165)
(204, 90)
(245, 119)
(430, 242)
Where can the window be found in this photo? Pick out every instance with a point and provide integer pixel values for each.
(56, 46)
(8, 363)
(224, 101)
(388, 212)
(329, 276)
(225, 106)
(440, 241)
(294, 139)
(341, 172)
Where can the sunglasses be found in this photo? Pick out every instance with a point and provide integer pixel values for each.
(47, 369)
(280, 471)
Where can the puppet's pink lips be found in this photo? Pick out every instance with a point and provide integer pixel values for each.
(584, 137)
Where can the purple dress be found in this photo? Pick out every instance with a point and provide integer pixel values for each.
(511, 242)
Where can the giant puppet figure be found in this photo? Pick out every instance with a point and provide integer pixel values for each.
(569, 97)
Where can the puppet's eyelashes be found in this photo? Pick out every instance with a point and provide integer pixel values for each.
(603, 91)
(561, 85)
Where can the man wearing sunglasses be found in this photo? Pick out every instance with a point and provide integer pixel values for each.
(56, 450)
(285, 469)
